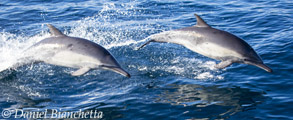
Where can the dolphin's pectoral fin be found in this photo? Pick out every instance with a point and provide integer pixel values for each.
(223, 64)
(80, 71)
(145, 44)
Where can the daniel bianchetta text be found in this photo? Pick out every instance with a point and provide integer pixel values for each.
(51, 113)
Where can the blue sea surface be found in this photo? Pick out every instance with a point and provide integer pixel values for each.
(168, 81)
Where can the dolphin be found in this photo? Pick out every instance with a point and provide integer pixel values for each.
(73, 52)
(213, 43)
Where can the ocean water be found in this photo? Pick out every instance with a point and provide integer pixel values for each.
(168, 81)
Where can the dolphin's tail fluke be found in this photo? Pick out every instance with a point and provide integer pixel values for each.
(146, 44)
(118, 70)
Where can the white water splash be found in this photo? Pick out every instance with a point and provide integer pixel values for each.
(188, 67)
(12, 47)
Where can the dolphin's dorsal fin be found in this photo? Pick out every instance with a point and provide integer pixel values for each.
(54, 31)
(200, 22)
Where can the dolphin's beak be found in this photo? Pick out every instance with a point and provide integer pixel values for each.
(259, 64)
(265, 67)
(118, 70)
(262, 66)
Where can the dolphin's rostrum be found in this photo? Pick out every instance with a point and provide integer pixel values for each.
(217, 44)
(73, 52)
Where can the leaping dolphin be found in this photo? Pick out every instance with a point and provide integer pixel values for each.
(213, 43)
(73, 52)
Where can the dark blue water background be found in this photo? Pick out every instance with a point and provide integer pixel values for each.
(168, 81)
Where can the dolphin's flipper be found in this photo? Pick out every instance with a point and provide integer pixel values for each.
(80, 71)
(223, 64)
(54, 31)
(145, 44)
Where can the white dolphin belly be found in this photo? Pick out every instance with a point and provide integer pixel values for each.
(211, 50)
(72, 59)
(56, 54)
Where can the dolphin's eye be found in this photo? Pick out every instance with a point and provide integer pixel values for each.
(245, 60)
(248, 60)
